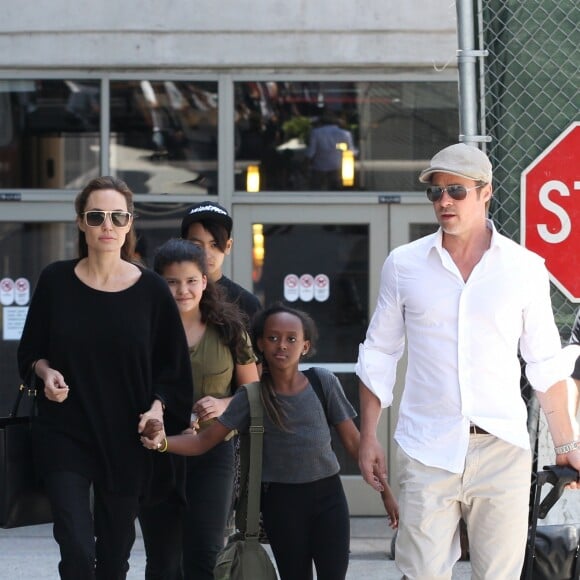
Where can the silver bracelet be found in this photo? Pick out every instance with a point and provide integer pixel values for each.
(563, 449)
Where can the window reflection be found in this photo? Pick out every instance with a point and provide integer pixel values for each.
(26, 248)
(164, 136)
(297, 133)
(48, 133)
(155, 223)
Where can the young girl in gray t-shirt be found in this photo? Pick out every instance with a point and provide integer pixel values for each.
(303, 502)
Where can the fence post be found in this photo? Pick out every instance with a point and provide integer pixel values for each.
(467, 59)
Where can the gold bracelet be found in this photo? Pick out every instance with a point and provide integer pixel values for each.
(164, 447)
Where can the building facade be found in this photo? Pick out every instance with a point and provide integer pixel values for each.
(189, 101)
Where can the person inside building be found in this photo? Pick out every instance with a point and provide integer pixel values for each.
(303, 502)
(222, 359)
(463, 299)
(324, 151)
(209, 225)
(104, 337)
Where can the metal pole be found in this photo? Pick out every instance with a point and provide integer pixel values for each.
(466, 59)
(482, 109)
(105, 127)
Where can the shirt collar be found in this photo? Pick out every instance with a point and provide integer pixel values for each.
(436, 241)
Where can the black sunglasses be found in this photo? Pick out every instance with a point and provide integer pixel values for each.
(456, 192)
(96, 218)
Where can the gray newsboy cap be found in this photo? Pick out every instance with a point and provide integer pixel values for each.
(462, 160)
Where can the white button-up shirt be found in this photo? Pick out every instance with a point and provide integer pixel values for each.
(462, 340)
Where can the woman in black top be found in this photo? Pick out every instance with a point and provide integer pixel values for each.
(105, 338)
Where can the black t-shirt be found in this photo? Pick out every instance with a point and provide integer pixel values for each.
(245, 300)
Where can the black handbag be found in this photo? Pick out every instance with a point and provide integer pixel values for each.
(552, 550)
(556, 552)
(23, 501)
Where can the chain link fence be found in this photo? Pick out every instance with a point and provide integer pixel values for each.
(532, 94)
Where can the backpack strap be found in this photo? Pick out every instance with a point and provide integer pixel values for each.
(312, 375)
(255, 467)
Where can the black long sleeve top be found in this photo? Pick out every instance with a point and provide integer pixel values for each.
(117, 351)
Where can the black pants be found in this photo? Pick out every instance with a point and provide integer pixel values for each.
(92, 545)
(306, 523)
(162, 528)
(326, 180)
(209, 484)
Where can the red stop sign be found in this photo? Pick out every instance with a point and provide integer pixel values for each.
(550, 210)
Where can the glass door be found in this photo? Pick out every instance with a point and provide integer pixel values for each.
(326, 260)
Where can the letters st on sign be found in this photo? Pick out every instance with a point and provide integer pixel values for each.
(550, 210)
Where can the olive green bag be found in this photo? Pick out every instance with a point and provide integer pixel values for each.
(243, 557)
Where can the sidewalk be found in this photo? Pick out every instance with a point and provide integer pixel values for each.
(31, 554)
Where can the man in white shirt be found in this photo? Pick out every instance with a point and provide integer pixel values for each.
(465, 299)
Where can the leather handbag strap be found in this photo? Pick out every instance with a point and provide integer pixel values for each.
(16, 405)
(255, 469)
(28, 386)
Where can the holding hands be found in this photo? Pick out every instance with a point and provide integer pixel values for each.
(152, 422)
(372, 463)
(210, 407)
(153, 434)
(391, 507)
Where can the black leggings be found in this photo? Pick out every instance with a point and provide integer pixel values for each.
(196, 534)
(91, 546)
(308, 522)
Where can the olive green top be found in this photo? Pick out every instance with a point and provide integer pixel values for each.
(212, 365)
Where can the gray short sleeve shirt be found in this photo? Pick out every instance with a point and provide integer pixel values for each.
(303, 453)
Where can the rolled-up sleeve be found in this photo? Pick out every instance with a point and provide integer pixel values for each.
(542, 375)
(546, 361)
(385, 339)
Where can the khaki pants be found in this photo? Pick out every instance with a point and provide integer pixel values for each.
(492, 495)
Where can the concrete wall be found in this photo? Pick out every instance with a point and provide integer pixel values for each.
(210, 34)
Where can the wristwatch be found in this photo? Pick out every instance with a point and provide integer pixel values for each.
(563, 449)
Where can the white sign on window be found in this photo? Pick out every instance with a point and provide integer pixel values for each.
(6, 291)
(13, 319)
(22, 291)
(321, 287)
(291, 289)
(306, 287)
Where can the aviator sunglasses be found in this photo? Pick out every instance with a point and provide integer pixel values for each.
(456, 192)
(95, 218)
